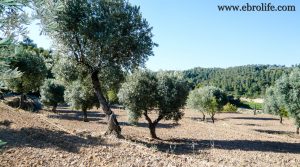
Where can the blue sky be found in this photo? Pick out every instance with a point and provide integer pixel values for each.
(194, 33)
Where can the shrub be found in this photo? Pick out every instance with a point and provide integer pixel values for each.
(230, 108)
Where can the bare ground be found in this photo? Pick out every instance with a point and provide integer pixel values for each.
(236, 139)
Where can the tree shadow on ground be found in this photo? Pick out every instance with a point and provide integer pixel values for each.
(45, 138)
(207, 119)
(146, 125)
(77, 116)
(254, 118)
(274, 132)
(247, 124)
(191, 146)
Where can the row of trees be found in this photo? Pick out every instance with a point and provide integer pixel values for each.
(283, 98)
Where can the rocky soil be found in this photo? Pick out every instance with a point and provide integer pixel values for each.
(63, 139)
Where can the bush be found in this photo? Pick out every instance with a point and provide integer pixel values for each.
(229, 108)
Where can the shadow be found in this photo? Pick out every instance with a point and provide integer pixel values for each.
(248, 124)
(6, 123)
(45, 138)
(198, 119)
(254, 118)
(77, 116)
(274, 132)
(192, 146)
(146, 125)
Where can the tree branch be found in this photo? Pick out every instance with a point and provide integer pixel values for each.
(147, 117)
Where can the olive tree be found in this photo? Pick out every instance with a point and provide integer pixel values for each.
(33, 70)
(138, 94)
(272, 103)
(80, 95)
(194, 102)
(52, 93)
(99, 36)
(209, 99)
(289, 90)
(144, 92)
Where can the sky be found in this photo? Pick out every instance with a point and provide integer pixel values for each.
(194, 33)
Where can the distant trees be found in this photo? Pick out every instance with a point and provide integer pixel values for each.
(52, 93)
(207, 99)
(273, 104)
(102, 37)
(288, 88)
(249, 80)
(144, 92)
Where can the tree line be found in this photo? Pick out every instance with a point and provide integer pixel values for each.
(247, 81)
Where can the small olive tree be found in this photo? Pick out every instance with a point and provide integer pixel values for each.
(209, 99)
(52, 93)
(194, 102)
(273, 105)
(80, 95)
(144, 92)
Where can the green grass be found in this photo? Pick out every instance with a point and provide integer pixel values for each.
(251, 105)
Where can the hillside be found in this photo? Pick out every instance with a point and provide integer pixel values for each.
(248, 80)
(49, 139)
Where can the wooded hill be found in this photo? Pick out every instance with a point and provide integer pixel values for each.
(248, 80)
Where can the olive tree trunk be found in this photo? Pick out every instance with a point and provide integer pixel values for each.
(281, 119)
(113, 124)
(152, 125)
(203, 116)
(85, 119)
(54, 108)
(22, 99)
(297, 131)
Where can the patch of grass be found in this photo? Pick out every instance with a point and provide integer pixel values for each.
(251, 105)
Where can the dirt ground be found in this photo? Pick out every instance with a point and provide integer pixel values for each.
(236, 139)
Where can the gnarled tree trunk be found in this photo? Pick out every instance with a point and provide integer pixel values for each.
(152, 125)
(297, 131)
(113, 124)
(281, 119)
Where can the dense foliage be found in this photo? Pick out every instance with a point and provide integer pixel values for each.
(52, 93)
(249, 80)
